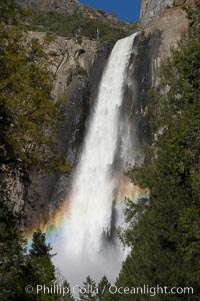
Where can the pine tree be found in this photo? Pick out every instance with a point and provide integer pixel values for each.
(39, 267)
(18, 268)
(13, 263)
(90, 290)
(69, 296)
(103, 288)
(40, 259)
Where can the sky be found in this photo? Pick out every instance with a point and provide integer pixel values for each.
(127, 10)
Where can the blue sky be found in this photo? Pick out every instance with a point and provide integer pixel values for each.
(127, 10)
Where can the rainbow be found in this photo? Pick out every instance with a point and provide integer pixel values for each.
(51, 224)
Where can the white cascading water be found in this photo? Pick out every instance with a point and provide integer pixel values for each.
(85, 245)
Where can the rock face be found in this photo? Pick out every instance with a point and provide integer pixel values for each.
(179, 2)
(153, 9)
(78, 69)
(167, 23)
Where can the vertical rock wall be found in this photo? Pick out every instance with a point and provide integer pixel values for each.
(78, 69)
(152, 10)
(167, 21)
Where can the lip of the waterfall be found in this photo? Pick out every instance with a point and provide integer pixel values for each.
(137, 36)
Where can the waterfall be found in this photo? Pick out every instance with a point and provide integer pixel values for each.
(87, 244)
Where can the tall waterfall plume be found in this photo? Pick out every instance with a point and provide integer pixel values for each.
(87, 244)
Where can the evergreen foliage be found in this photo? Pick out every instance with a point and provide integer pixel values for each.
(29, 117)
(19, 268)
(12, 249)
(69, 296)
(103, 287)
(39, 264)
(89, 290)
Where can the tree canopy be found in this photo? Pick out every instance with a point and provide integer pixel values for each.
(29, 116)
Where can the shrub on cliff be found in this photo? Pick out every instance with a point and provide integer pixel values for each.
(72, 25)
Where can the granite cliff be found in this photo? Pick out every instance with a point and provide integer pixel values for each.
(162, 22)
(152, 10)
(78, 69)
